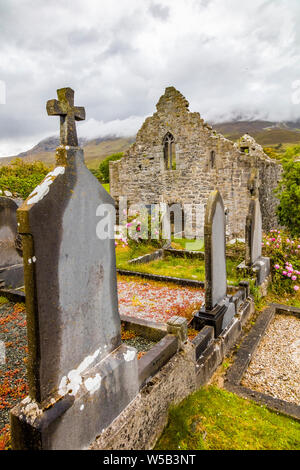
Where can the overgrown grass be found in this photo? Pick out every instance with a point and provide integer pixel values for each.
(186, 244)
(186, 268)
(214, 419)
(106, 186)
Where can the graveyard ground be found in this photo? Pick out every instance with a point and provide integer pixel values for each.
(170, 265)
(215, 419)
(212, 418)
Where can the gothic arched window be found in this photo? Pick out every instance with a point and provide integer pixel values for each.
(212, 159)
(169, 152)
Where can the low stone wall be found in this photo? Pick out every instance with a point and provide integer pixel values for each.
(159, 254)
(185, 253)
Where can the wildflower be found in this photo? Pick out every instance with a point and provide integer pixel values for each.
(296, 288)
(277, 266)
(294, 278)
(284, 273)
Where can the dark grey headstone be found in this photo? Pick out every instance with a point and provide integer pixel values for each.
(253, 233)
(80, 375)
(215, 251)
(11, 261)
(9, 254)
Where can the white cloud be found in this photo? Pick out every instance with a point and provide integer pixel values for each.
(119, 127)
(227, 57)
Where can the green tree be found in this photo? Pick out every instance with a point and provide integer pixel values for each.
(288, 192)
(104, 165)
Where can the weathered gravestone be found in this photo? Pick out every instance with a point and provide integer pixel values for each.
(253, 239)
(80, 374)
(218, 310)
(11, 262)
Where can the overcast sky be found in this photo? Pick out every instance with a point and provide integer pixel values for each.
(228, 57)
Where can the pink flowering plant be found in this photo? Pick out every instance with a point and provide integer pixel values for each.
(285, 258)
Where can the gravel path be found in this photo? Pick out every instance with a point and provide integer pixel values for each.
(275, 366)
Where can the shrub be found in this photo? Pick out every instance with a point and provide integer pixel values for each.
(20, 177)
(285, 256)
(104, 166)
(288, 192)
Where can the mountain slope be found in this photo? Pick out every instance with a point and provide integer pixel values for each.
(94, 150)
(266, 133)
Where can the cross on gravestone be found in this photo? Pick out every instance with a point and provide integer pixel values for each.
(218, 310)
(68, 113)
(80, 374)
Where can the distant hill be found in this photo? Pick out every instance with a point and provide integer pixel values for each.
(94, 150)
(266, 133)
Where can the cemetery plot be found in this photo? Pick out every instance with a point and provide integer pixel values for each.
(275, 366)
(13, 382)
(157, 301)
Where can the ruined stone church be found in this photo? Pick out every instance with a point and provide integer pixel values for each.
(178, 158)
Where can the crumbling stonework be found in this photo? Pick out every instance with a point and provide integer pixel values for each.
(203, 161)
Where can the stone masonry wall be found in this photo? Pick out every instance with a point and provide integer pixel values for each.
(141, 174)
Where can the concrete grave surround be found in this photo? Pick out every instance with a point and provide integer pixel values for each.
(11, 262)
(80, 375)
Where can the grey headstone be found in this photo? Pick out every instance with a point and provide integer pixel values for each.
(9, 254)
(80, 375)
(11, 261)
(253, 232)
(215, 251)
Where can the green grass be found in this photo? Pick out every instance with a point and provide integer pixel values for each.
(106, 186)
(171, 266)
(186, 244)
(3, 300)
(214, 419)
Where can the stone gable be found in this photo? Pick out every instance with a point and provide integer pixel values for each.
(204, 160)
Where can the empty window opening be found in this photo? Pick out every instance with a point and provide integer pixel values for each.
(212, 159)
(169, 152)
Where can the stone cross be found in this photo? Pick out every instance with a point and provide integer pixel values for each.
(253, 232)
(64, 107)
(81, 376)
(215, 251)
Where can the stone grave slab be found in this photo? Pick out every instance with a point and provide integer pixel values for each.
(253, 237)
(11, 261)
(80, 375)
(218, 310)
